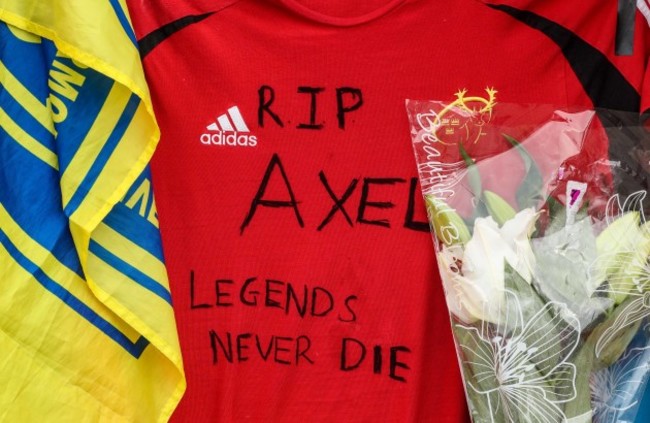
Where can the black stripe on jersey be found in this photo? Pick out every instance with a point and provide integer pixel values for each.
(602, 81)
(150, 41)
(616, 101)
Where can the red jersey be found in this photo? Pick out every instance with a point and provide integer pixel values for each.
(300, 260)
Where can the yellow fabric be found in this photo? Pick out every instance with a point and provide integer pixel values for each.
(63, 334)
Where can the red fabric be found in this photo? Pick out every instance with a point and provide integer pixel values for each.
(377, 269)
(595, 22)
(147, 16)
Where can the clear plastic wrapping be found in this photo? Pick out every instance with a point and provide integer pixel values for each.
(543, 249)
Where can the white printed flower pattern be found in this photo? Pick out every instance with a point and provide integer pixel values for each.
(624, 265)
(526, 374)
(616, 389)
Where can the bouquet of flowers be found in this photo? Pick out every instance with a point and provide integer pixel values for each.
(543, 248)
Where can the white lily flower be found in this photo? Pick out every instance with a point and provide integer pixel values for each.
(465, 298)
(474, 277)
(518, 231)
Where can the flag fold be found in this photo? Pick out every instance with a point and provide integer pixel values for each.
(87, 330)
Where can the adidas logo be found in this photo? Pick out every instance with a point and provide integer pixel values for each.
(229, 129)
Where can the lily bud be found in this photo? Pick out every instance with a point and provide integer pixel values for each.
(447, 224)
(623, 250)
(499, 208)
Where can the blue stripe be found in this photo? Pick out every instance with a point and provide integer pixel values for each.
(31, 63)
(82, 113)
(130, 271)
(133, 348)
(26, 121)
(124, 21)
(109, 147)
(30, 191)
(128, 223)
(28, 62)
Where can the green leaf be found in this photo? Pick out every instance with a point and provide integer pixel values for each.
(619, 331)
(529, 301)
(479, 405)
(557, 216)
(587, 363)
(545, 325)
(475, 184)
(473, 175)
(581, 404)
(529, 193)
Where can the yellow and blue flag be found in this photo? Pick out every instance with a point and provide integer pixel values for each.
(87, 330)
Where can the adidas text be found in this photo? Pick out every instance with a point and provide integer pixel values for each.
(229, 138)
(229, 129)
